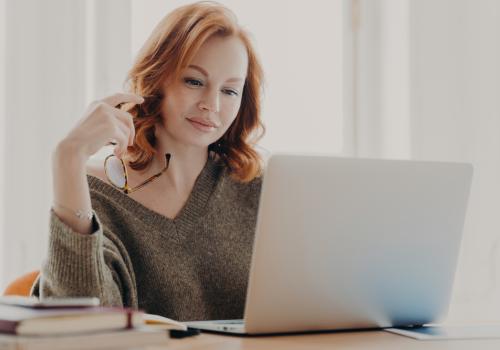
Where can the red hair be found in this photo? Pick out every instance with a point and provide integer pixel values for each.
(170, 48)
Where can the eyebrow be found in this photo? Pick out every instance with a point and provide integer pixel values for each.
(205, 73)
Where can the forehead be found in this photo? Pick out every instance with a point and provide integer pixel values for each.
(222, 57)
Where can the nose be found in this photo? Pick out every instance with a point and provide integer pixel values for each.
(210, 102)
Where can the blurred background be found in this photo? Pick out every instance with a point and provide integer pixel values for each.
(406, 79)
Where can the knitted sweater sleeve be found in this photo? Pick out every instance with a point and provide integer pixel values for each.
(79, 265)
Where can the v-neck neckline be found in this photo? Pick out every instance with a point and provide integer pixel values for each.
(187, 217)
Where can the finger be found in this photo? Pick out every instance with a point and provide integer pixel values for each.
(121, 117)
(128, 120)
(116, 119)
(118, 132)
(120, 138)
(123, 97)
(125, 131)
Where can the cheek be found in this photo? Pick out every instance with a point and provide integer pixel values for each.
(230, 111)
(177, 105)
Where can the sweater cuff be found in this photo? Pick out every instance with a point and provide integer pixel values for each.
(75, 260)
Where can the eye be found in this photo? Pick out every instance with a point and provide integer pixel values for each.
(193, 82)
(230, 92)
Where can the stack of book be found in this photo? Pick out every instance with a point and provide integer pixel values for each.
(28, 324)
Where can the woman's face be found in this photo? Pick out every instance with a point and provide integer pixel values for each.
(200, 106)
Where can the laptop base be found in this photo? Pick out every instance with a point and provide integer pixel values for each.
(220, 326)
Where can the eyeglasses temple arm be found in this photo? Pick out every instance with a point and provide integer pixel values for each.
(154, 177)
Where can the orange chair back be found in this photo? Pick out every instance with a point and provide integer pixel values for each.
(22, 285)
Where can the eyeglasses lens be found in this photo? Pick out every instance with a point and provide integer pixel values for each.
(115, 171)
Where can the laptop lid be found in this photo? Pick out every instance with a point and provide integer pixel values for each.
(354, 243)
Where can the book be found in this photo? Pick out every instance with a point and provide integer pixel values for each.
(34, 302)
(50, 316)
(34, 321)
(121, 339)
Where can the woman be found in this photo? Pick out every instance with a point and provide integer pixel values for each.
(174, 235)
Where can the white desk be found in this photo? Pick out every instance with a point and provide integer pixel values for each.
(345, 340)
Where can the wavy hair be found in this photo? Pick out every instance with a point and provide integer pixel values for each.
(170, 48)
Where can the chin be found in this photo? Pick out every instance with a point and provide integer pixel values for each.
(200, 141)
(195, 138)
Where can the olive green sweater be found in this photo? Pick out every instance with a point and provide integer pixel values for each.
(193, 267)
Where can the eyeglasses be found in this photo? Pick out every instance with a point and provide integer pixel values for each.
(116, 172)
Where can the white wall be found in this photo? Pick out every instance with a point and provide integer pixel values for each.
(426, 81)
(379, 73)
(421, 80)
(42, 95)
(300, 44)
(58, 56)
(2, 132)
(455, 86)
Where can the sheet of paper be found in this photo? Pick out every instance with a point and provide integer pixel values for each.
(437, 332)
(163, 322)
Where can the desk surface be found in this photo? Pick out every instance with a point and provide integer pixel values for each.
(347, 340)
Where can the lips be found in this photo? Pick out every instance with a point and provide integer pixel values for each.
(203, 122)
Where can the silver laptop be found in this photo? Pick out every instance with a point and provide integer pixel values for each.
(347, 243)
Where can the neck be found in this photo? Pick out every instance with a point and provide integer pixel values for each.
(186, 162)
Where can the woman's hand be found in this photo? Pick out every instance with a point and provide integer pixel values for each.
(101, 124)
